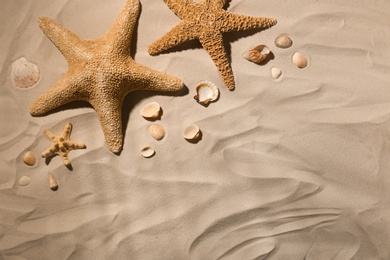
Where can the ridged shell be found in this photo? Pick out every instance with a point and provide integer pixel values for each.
(147, 152)
(206, 92)
(257, 54)
(151, 110)
(157, 131)
(300, 60)
(29, 158)
(24, 180)
(53, 183)
(283, 41)
(24, 74)
(191, 132)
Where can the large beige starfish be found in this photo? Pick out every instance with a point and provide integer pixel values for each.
(61, 144)
(207, 21)
(101, 72)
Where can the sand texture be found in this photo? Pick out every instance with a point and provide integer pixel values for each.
(291, 168)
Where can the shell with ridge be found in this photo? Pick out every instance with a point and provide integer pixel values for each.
(24, 74)
(157, 131)
(151, 110)
(257, 54)
(206, 92)
(283, 41)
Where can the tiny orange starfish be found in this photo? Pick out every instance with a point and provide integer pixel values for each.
(61, 144)
(207, 21)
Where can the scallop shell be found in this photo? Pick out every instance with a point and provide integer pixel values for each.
(300, 60)
(24, 74)
(257, 54)
(206, 92)
(29, 158)
(157, 131)
(275, 72)
(24, 180)
(147, 152)
(53, 183)
(191, 132)
(151, 110)
(283, 41)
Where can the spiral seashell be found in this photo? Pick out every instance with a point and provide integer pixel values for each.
(53, 183)
(257, 54)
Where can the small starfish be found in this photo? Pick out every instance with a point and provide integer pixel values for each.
(61, 144)
(207, 21)
(101, 72)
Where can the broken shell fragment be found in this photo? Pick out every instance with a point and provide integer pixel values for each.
(151, 110)
(147, 152)
(52, 183)
(24, 180)
(283, 41)
(191, 132)
(300, 60)
(157, 131)
(206, 92)
(257, 54)
(29, 158)
(275, 72)
(24, 74)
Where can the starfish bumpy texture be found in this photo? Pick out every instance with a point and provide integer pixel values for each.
(207, 21)
(101, 72)
(61, 144)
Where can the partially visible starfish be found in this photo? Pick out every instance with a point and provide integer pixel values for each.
(61, 144)
(207, 21)
(101, 72)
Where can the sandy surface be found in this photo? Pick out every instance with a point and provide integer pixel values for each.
(294, 168)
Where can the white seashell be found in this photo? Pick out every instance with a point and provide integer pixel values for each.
(300, 60)
(206, 92)
(257, 54)
(157, 131)
(151, 110)
(53, 183)
(276, 72)
(283, 41)
(29, 158)
(147, 152)
(24, 74)
(191, 132)
(24, 180)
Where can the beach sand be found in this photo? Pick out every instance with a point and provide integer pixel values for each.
(290, 168)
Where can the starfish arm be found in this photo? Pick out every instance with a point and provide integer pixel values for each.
(110, 117)
(180, 7)
(181, 33)
(64, 91)
(49, 151)
(70, 45)
(49, 135)
(120, 34)
(216, 3)
(76, 145)
(145, 78)
(64, 158)
(237, 22)
(67, 131)
(213, 44)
